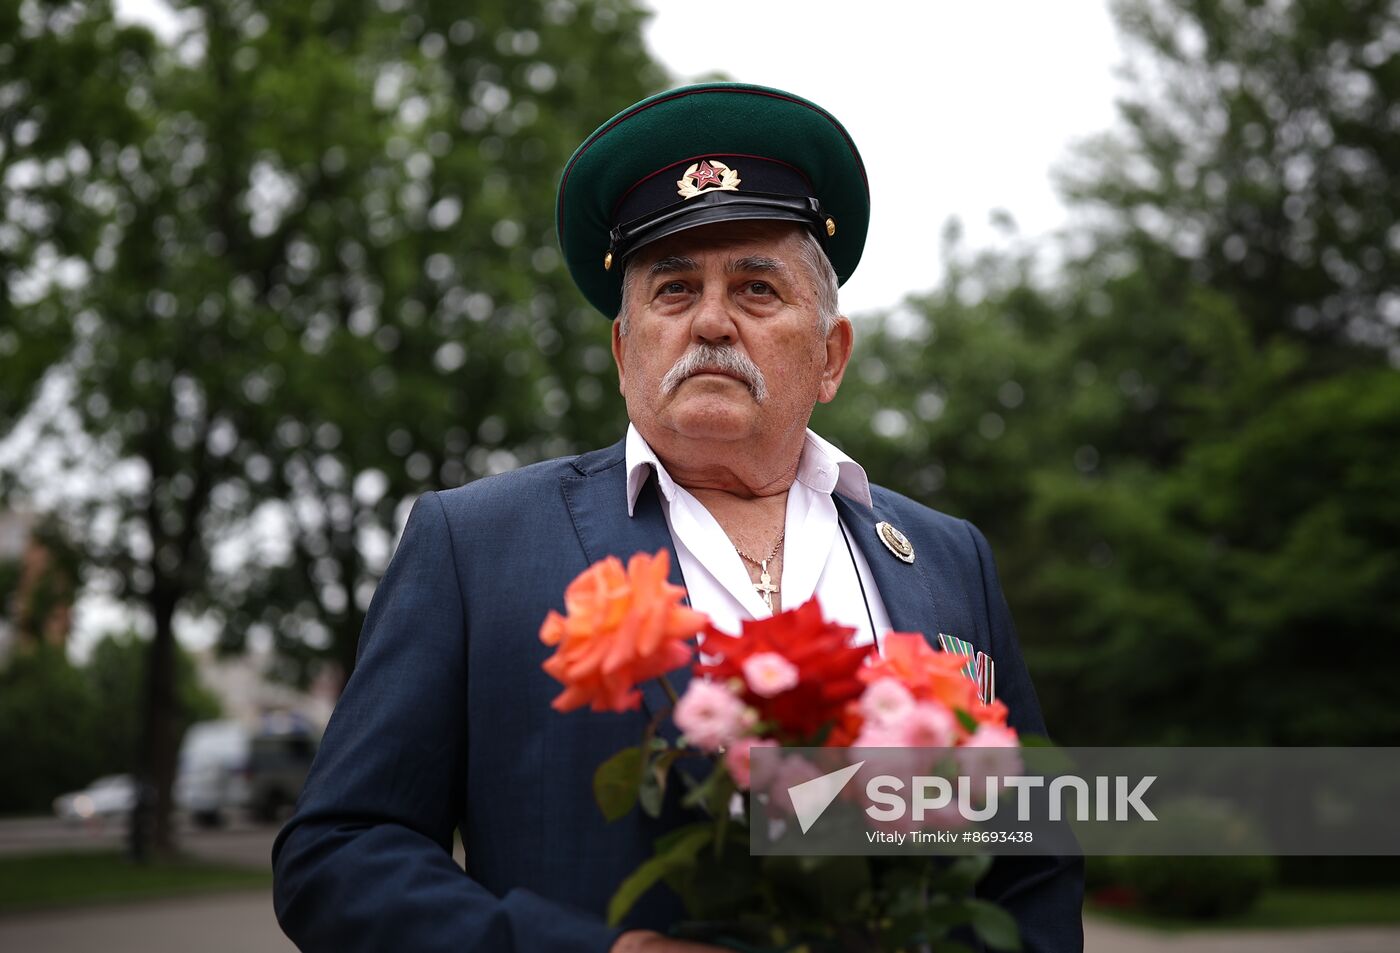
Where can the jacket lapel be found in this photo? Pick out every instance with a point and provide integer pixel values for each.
(597, 501)
(904, 587)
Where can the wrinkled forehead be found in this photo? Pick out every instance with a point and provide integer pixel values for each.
(729, 242)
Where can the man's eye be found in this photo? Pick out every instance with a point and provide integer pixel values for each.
(671, 288)
(759, 288)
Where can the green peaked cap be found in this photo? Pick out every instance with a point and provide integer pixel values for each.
(704, 153)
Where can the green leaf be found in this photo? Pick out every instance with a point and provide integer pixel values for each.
(966, 720)
(948, 946)
(651, 793)
(660, 771)
(947, 914)
(720, 888)
(616, 782)
(994, 926)
(661, 765)
(818, 740)
(709, 791)
(961, 875)
(667, 841)
(721, 793)
(680, 853)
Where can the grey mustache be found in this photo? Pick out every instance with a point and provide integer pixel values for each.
(714, 357)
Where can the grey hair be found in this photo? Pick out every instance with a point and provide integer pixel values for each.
(824, 284)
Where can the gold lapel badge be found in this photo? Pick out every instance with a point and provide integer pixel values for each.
(895, 541)
(707, 174)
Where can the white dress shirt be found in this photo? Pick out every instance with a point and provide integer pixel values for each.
(817, 559)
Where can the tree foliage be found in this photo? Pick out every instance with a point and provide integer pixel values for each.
(62, 726)
(48, 722)
(114, 675)
(1257, 153)
(1180, 442)
(300, 267)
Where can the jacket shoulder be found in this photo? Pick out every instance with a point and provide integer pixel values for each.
(528, 486)
(906, 513)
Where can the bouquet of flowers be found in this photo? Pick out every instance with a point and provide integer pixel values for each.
(792, 680)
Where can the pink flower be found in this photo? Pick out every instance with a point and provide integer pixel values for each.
(710, 715)
(887, 750)
(992, 752)
(874, 734)
(885, 702)
(929, 725)
(738, 758)
(769, 674)
(901, 745)
(792, 772)
(993, 736)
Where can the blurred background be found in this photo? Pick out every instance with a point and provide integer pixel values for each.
(268, 271)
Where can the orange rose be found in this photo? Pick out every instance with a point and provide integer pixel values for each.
(930, 675)
(621, 628)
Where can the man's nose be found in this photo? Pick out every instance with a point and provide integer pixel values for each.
(711, 322)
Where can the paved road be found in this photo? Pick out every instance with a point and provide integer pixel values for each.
(243, 922)
(1104, 937)
(239, 842)
(221, 923)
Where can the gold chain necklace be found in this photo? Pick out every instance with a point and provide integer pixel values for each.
(765, 587)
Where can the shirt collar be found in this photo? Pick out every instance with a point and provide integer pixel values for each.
(823, 467)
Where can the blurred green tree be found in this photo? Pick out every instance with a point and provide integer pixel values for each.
(1178, 437)
(48, 725)
(1257, 153)
(299, 267)
(63, 725)
(114, 672)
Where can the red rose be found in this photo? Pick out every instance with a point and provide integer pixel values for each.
(826, 664)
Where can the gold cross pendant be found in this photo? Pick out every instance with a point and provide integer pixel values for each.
(765, 586)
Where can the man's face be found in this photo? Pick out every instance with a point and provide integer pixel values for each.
(723, 339)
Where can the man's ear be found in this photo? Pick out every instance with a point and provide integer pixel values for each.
(618, 345)
(839, 342)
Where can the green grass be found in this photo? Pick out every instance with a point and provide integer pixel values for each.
(73, 879)
(1285, 908)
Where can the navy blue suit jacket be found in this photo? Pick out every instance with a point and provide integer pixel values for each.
(446, 723)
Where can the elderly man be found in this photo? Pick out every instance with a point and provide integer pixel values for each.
(716, 223)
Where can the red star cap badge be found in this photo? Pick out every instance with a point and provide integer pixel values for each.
(705, 175)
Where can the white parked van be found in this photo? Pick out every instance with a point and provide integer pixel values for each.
(227, 767)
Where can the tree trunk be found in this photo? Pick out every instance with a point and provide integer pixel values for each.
(153, 828)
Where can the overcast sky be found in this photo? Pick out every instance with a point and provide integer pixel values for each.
(958, 107)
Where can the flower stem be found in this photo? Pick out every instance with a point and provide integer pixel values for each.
(668, 689)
